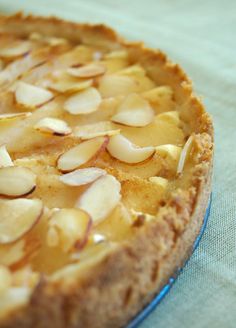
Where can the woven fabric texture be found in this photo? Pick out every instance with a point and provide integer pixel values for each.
(201, 37)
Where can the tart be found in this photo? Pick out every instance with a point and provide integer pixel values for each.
(105, 173)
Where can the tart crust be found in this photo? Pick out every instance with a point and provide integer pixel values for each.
(110, 292)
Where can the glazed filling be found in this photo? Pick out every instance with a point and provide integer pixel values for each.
(89, 145)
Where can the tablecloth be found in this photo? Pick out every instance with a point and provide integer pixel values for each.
(201, 36)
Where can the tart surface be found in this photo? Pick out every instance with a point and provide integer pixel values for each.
(105, 168)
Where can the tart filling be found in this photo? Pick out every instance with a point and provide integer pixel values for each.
(92, 147)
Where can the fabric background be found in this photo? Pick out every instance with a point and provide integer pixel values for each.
(201, 36)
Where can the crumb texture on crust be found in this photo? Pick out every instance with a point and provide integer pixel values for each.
(106, 157)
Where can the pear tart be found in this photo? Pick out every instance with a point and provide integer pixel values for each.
(105, 169)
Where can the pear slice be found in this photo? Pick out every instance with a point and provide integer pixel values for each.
(122, 149)
(18, 217)
(134, 111)
(162, 183)
(5, 279)
(81, 154)
(115, 85)
(5, 158)
(169, 151)
(82, 176)
(101, 198)
(15, 49)
(84, 102)
(184, 155)
(14, 116)
(69, 228)
(16, 181)
(31, 96)
(87, 71)
(53, 126)
(99, 129)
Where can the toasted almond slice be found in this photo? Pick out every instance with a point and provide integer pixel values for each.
(115, 85)
(53, 41)
(122, 149)
(31, 96)
(134, 111)
(87, 71)
(69, 86)
(17, 217)
(169, 151)
(14, 116)
(184, 155)
(16, 181)
(5, 279)
(53, 126)
(160, 182)
(170, 117)
(5, 158)
(81, 154)
(84, 102)
(15, 49)
(101, 198)
(133, 70)
(71, 228)
(117, 54)
(82, 176)
(99, 129)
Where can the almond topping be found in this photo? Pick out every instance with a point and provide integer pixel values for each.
(82, 176)
(84, 102)
(53, 126)
(5, 279)
(99, 129)
(184, 154)
(134, 111)
(81, 154)
(16, 49)
(67, 85)
(170, 117)
(169, 151)
(160, 182)
(69, 228)
(87, 71)
(14, 116)
(16, 181)
(31, 96)
(116, 85)
(123, 150)
(5, 159)
(17, 217)
(101, 198)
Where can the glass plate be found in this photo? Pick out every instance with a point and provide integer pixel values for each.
(152, 305)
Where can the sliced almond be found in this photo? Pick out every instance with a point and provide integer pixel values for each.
(82, 176)
(162, 183)
(115, 85)
(53, 126)
(81, 154)
(171, 117)
(17, 217)
(15, 49)
(16, 181)
(69, 85)
(101, 198)
(116, 54)
(134, 111)
(133, 70)
(87, 71)
(5, 279)
(14, 116)
(169, 151)
(184, 154)
(84, 102)
(31, 96)
(123, 150)
(5, 158)
(69, 228)
(99, 129)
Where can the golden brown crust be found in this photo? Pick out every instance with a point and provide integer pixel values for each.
(128, 277)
